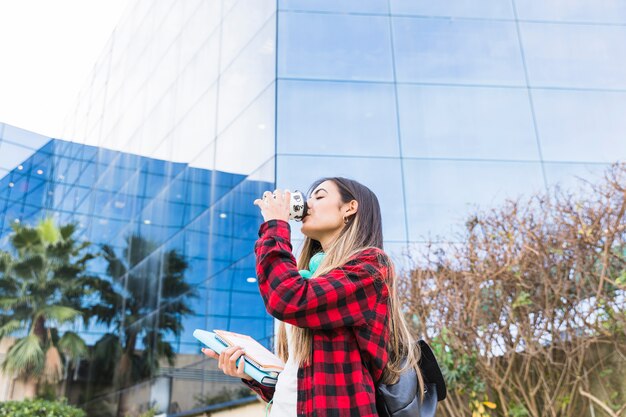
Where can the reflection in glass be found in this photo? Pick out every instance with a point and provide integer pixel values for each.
(457, 51)
(466, 122)
(241, 24)
(607, 11)
(575, 56)
(590, 123)
(360, 6)
(445, 192)
(490, 9)
(249, 74)
(573, 177)
(329, 46)
(336, 118)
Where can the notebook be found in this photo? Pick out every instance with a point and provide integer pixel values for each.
(210, 339)
(256, 353)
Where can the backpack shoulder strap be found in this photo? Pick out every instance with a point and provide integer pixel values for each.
(430, 370)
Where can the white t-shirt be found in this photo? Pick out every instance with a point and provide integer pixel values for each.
(286, 390)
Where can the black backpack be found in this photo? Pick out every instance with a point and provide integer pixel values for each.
(402, 398)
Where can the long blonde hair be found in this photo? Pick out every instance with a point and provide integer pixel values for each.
(363, 230)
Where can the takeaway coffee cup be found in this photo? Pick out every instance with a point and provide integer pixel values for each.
(297, 206)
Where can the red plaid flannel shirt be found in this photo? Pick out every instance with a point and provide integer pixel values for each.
(347, 311)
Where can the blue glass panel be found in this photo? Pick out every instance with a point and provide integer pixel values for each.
(292, 173)
(250, 74)
(249, 141)
(337, 118)
(248, 304)
(457, 51)
(581, 126)
(197, 271)
(190, 323)
(605, 11)
(12, 155)
(219, 301)
(24, 138)
(241, 24)
(444, 193)
(327, 46)
(573, 177)
(585, 56)
(491, 9)
(88, 174)
(466, 122)
(360, 6)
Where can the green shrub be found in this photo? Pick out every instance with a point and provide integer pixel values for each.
(39, 408)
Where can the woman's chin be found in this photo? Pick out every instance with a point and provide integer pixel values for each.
(306, 231)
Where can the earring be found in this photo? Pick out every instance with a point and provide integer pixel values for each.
(345, 220)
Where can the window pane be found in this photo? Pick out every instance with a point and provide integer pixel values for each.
(327, 46)
(381, 175)
(23, 137)
(444, 193)
(605, 11)
(462, 122)
(241, 24)
(361, 6)
(337, 118)
(249, 74)
(458, 8)
(249, 141)
(572, 177)
(196, 92)
(13, 155)
(457, 51)
(588, 56)
(581, 125)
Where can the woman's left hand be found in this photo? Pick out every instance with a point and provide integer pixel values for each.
(274, 206)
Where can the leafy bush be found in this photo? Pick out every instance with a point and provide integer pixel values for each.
(526, 307)
(150, 413)
(39, 408)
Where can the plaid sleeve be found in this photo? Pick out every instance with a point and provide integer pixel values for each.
(345, 296)
(266, 393)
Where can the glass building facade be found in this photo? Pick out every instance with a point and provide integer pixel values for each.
(148, 209)
(438, 107)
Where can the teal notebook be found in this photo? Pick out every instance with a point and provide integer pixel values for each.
(211, 340)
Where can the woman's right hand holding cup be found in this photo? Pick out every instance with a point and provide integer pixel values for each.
(227, 361)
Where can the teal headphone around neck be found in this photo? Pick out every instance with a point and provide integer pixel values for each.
(314, 263)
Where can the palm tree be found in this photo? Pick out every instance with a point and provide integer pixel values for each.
(148, 300)
(43, 285)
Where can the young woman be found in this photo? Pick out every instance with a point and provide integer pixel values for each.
(342, 331)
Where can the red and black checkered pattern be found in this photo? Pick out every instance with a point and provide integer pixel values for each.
(347, 311)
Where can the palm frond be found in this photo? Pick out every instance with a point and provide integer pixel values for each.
(108, 348)
(49, 232)
(25, 357)
(6, 260)
(9, 303)
(10, 327)
(24, 237)
(73, 346)
(67, 230)
(28, 265)
(59, 314)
